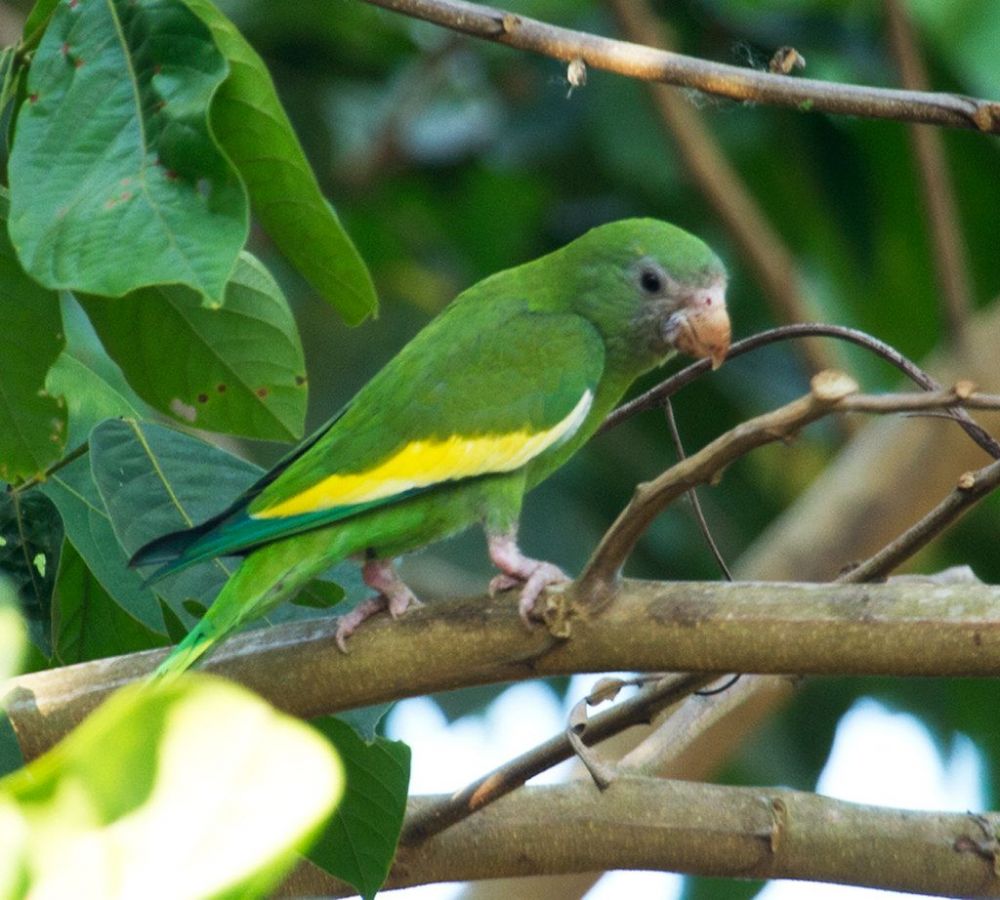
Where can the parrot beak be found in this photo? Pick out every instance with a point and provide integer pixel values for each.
(701, 327)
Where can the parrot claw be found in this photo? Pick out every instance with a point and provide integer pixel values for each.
(516, 569)
(393, 595)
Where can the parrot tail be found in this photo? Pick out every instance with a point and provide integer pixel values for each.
(198, 641)
(266, 577)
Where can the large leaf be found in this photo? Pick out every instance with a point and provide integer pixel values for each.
(89, 398)
(116, 182)
(88, 528)
(86, 621)
(250, 123)
(196, 789)
(241, 370)
(30, 536)
(154, 480)
(360, 841)
(32, 423)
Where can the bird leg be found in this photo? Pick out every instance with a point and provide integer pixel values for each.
(392, 594)
(518, 569)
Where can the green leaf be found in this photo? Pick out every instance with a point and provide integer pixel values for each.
(116, 182)
(87, 623)
(89, 398)
(13, 631)
(198, 788)
(242, 369)
(155, 480)
(32, 423)
(88, 528)
(31, 534)
(365, 720)
(360, 841)
(253, 128)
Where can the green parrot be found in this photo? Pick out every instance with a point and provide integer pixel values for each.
(485, 402)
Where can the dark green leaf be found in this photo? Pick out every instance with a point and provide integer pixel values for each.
(251, 125)
(320, 595)
(360, 841)
(194, 608)
(88, 527)
(155, 480)
(11, 757)
(116, 182)
(241, 370)
(32, 423)
(30, 537)
(87, 623)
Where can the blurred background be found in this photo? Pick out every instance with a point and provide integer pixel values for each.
(448, 159)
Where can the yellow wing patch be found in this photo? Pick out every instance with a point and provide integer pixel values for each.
(423, 463)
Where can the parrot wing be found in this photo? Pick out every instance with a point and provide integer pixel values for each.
(484, 389)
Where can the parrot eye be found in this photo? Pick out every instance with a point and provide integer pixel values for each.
(650, 281)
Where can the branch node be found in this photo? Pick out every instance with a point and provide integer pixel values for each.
(786, 59)
(964, 389)
(779, 822)
(966, 481)
(987, 116)
(510, 23)
(832, 385)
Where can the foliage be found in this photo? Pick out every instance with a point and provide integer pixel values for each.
(164, 785)
(145, 138)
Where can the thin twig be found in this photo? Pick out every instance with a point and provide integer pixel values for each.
(515, 772)
(831, 392)
(759, 243)
(42, 477)
(668, 410)
(654, 397)
(950, 262)
(972, 487)
(747, 85)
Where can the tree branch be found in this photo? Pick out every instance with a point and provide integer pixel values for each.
(898, 628)
(436, 816)
(700, 829)
(759, 243)
(950, 264)
(748, 85)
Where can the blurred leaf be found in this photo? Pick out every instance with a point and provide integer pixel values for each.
(87, 623)
(719, 889)
(32, 423)
(31, 534)
(88, 528)
(323, 595)
(242, 369)
(116, 182)
(13, 631)
(359, 842)
(164, 787)
(251, 125)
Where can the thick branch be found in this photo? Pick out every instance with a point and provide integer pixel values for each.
(898, 628)
(649, 64)
(701, 829)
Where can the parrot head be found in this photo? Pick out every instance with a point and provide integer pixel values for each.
(652, 289)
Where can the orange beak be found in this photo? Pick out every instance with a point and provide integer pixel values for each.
(702, 327)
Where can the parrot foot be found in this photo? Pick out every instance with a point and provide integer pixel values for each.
(393, 595)
(516, 569)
